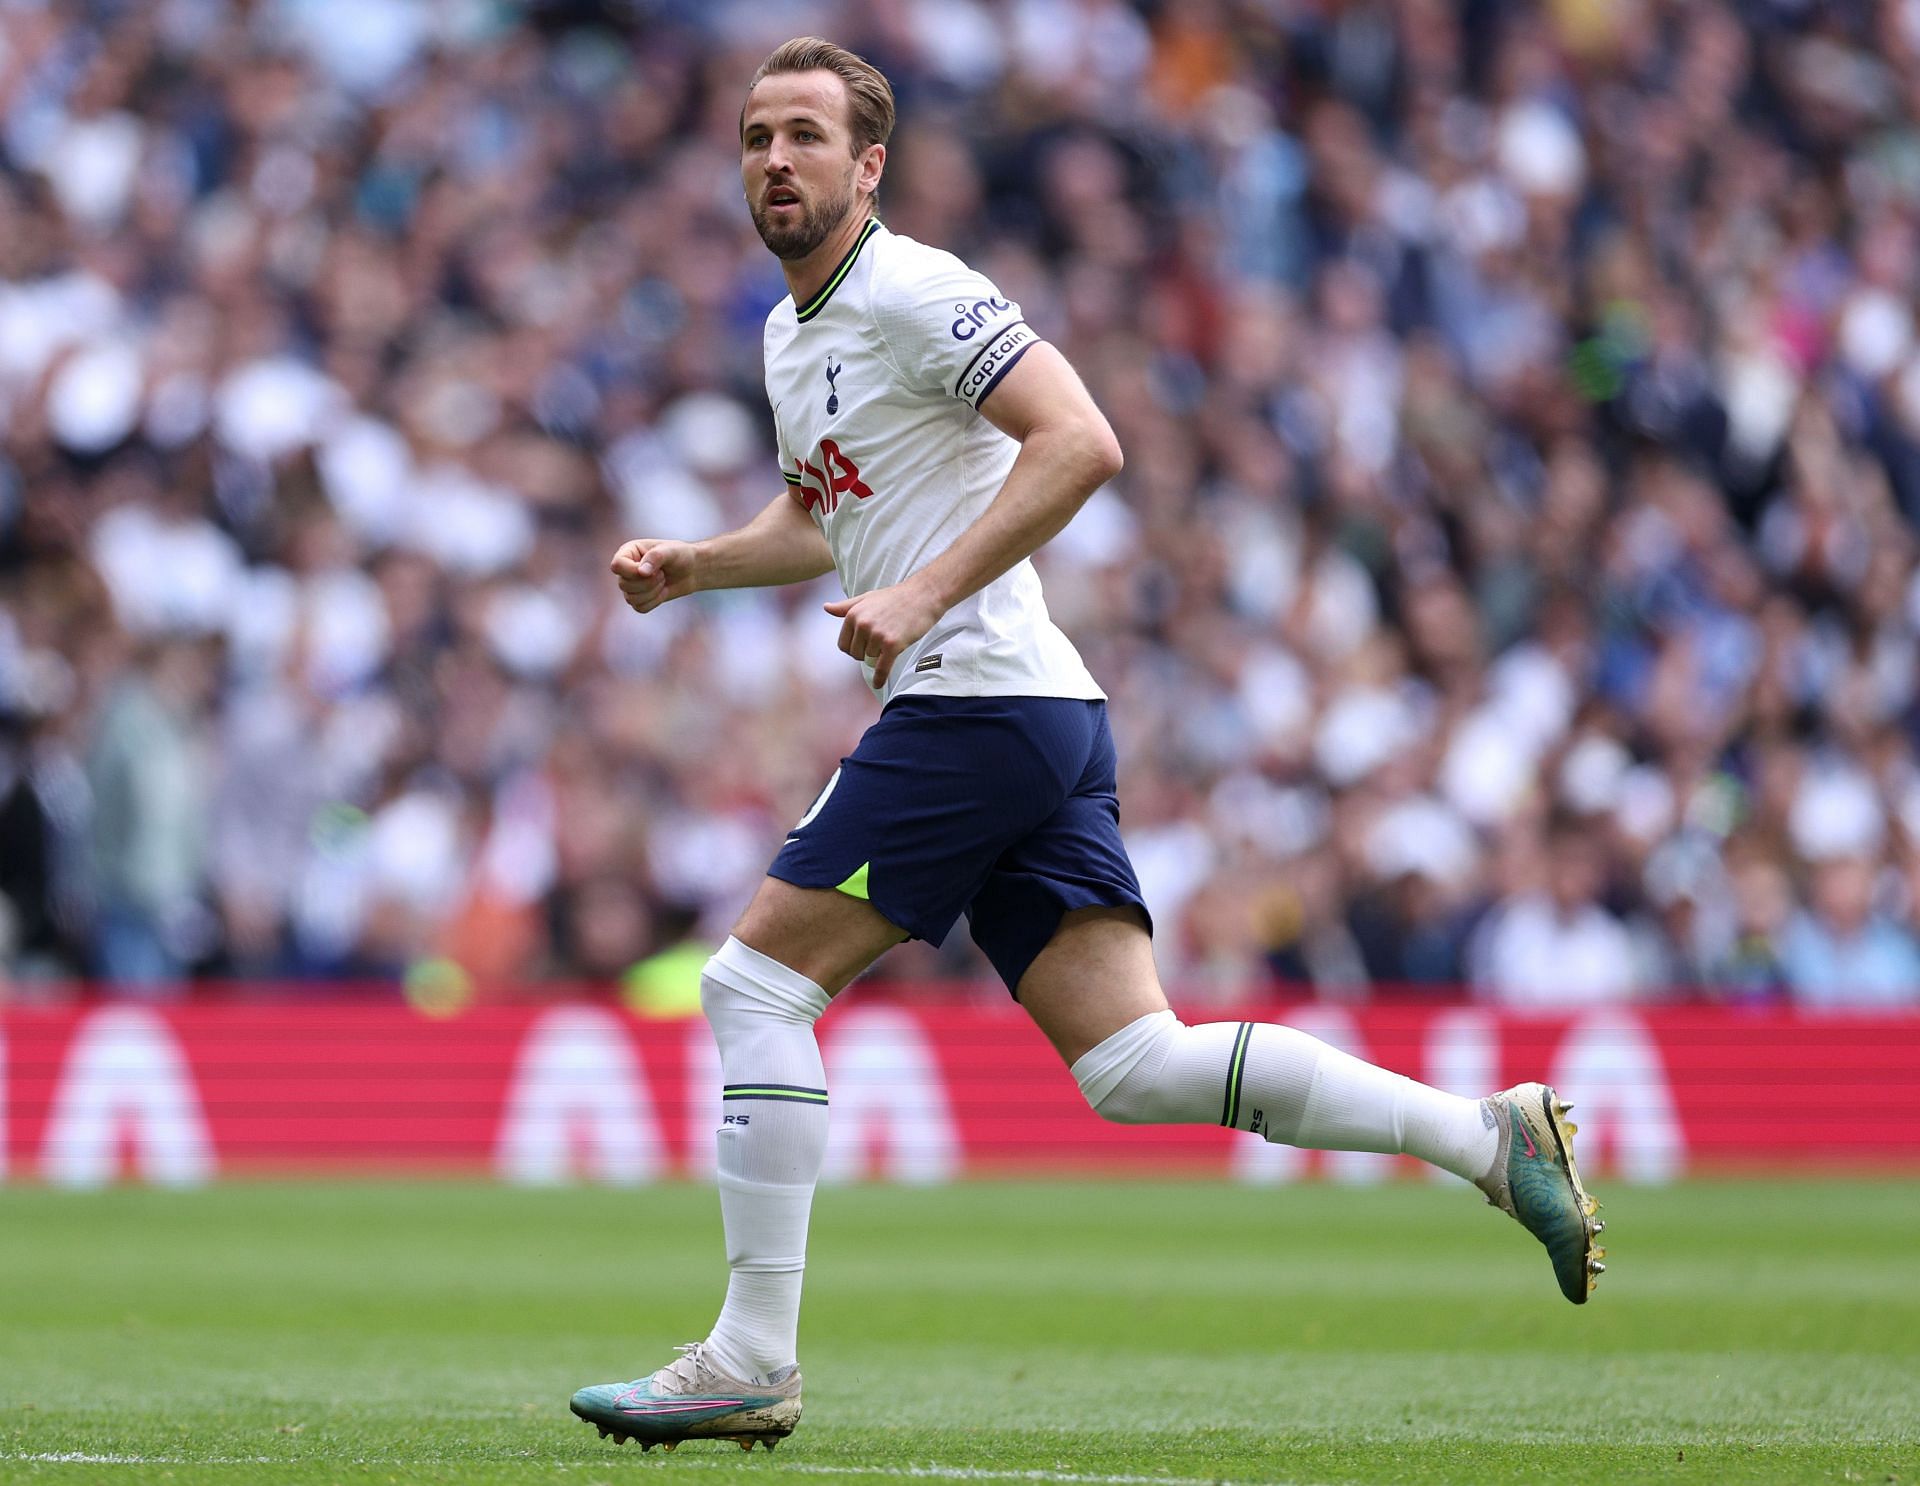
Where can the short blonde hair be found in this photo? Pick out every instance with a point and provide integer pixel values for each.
(869, 94)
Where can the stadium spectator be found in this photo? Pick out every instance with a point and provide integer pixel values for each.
(1549, 942)
(1522, 411)
(1841, 952)
(147, 779)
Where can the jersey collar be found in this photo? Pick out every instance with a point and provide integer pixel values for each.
(818, 303)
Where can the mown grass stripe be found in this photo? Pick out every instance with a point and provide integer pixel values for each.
(977, 1473)
(931, 1472)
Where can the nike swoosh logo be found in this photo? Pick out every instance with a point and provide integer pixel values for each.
(1527, 1136)
(688, 1408)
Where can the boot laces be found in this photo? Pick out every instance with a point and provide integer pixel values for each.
(688, 1372)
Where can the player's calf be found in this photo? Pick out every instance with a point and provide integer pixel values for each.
(1280, 1083)
(1291, 1088)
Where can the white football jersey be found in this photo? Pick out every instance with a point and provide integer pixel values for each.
(876, 385)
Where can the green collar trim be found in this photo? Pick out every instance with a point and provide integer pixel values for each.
(819, 301)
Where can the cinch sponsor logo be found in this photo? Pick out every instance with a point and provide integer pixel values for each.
(993, 358)
(969, 318)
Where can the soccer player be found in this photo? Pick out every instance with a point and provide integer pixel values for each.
(931, 442)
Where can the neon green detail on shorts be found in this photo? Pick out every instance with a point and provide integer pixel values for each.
(856, 885)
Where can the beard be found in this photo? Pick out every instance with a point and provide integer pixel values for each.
(796, 239)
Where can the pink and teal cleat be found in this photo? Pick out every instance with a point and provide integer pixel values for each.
(1533, 1179)
(692, 1399)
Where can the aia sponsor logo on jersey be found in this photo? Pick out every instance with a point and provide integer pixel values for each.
(970, 318)
(822, 485)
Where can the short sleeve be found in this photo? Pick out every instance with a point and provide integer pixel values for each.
(789, 466)
(948, 327)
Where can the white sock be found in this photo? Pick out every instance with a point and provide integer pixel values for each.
(1281, 1084)
(771, 1141)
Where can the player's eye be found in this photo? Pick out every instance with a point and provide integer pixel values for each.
(805, 134)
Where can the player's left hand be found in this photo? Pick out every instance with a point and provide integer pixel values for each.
(876, 626)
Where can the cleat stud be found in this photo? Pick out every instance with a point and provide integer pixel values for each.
(747, 1445)
(669, 1445)
(1594, 1266)
(645, 1445)
(769, 1441)
(1572, 1129)
(1599, 1226)
(604, 1431)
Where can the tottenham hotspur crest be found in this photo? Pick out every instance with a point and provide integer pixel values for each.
(833, 396)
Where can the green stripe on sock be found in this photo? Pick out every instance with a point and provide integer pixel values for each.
(775, 1091)
(1236, 1071)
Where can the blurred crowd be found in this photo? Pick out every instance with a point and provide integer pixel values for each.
(1512, 583)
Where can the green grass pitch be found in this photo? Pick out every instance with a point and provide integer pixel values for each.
(1054, 1332)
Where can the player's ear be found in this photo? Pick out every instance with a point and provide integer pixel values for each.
(869, 168)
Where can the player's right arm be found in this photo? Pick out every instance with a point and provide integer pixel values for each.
(780, 545)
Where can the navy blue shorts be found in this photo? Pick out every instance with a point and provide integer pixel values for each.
(1002, 808)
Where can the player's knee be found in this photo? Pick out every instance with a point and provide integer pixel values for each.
(1137, 1102)
(738, 984)
(1118, 1109)
(1122, 1077)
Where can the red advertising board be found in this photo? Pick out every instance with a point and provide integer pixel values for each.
(921, 1092)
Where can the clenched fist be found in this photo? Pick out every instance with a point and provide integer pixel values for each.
(650, 572)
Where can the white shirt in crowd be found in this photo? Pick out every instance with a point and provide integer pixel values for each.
(1531, 955)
